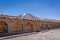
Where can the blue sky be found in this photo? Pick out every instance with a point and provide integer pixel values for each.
(42, 8)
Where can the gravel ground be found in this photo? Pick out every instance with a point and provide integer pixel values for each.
(53, 34)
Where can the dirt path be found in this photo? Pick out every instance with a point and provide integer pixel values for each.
(44, 35)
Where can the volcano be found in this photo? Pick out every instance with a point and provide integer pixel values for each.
(28, 16)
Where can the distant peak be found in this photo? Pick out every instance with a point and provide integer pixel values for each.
(27, 16)
(23, 14)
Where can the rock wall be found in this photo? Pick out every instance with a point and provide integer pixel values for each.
(24, 25)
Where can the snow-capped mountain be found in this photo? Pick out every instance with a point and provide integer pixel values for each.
(28, 16)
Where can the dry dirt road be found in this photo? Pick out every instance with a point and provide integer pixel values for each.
(53, 34)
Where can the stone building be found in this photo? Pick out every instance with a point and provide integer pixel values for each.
(25, 23)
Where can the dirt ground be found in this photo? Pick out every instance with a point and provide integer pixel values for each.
(53, 34)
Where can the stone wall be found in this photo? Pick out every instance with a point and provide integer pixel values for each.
(25, 25)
